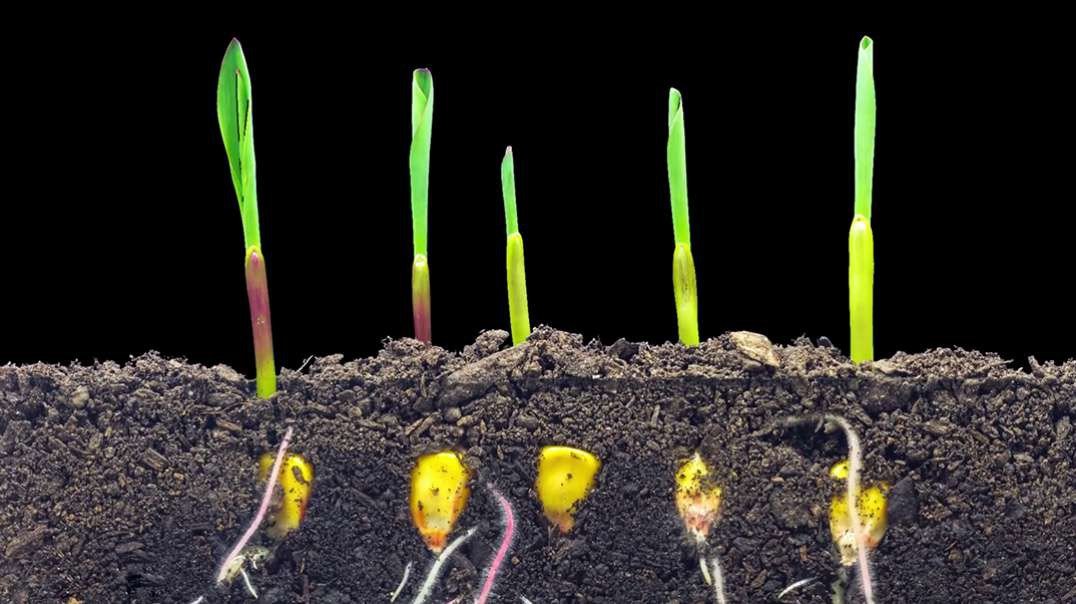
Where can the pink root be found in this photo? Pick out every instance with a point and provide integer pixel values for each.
(509, 519)
(262, 509)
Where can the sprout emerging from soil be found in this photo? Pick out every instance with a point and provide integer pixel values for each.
(419, 162)
(296, 483)
(439, 493)
(565, 477)
(687, 305)
(509, 518)
(860, 236)
(517, 276)
(228, 564)
(234, 112)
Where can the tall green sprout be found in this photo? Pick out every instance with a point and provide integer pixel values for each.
(860, 236)
(419, 162)
(517, 276)
(237, 129)
(687, 306)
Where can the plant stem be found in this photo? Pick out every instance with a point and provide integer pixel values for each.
(684, 292)
(684, 289)
(260, 323)
(860, 237)
(420, 298)
(419, 164)
(236, 119)
(517, 275)
(861, 289)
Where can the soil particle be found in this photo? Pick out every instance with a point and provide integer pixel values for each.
(128, 483)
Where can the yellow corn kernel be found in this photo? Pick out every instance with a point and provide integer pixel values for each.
(565, 476)
(296, 481)
(697, 499)
(839, 471)
(872, 518)
(438, 495)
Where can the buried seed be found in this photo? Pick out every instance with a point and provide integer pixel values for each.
(565, 477)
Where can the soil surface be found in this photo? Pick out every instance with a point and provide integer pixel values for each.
(129, 483)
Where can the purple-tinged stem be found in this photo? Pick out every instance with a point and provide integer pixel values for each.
(262, 509)
(420, 297)
(260, 323)
(509, 518)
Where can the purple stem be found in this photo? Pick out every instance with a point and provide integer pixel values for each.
(262, 509)
(260, 323)
(502, 551)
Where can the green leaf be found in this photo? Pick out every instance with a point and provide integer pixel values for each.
(866, 111)
(677, 161)
(419, 160)
(237, 130)
(508, 189)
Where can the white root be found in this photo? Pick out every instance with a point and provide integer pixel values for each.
(855, 469)
(249, 585)
(795, 586)
(403, 582)
(435, 570)
(705, 571)
(719, 582)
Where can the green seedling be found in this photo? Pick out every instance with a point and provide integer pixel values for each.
(860, 236)
(517, 276)
(419, 162)
(687, 305)
(237, 129)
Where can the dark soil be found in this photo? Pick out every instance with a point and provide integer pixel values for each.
(127, 483)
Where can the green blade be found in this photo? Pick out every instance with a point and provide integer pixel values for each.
(237, 130)
(677, 160)
(864, 127)
(508, 189)
(419, 160)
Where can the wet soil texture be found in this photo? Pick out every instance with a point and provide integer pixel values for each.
(129, 483)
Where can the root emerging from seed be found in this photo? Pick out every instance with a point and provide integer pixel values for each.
(855, 471)
(435, 570)
(228, 565)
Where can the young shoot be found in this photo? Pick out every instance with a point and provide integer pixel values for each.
(517, 276)
(860, 236)
(687, 305)
(419, 162)
(235, 115)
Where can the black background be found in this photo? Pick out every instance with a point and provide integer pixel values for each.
(121, 232)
